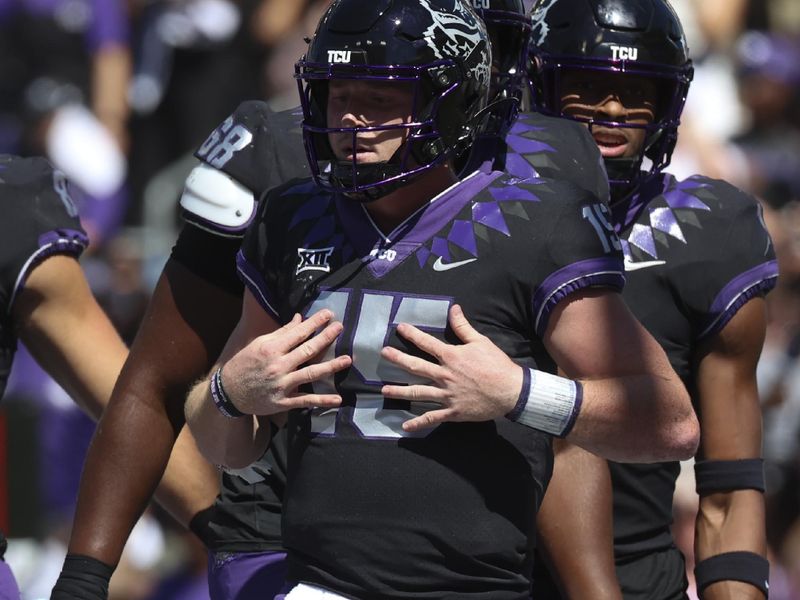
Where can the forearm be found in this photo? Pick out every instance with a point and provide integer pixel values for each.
(635, 407)
(119, 476)
(636, 418)
(190, 484)
(730, 522)
(222, 440)
(730, 534)
(56, 313)
(574, 525)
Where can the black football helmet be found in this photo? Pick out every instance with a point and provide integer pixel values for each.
(440, 46)
(509, 29)
(643, 38)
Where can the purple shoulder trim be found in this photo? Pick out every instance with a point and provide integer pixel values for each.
(254, 281)
(744, 287)
(69, 242)
(592, 272)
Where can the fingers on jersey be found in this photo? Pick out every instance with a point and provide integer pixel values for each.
(265, 376)
(294, 341)
(432, 418)
(462, 328)
(415, 365)
(423, 341)
(465, 381)
(298, 345)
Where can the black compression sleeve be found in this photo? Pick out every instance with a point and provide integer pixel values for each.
(209, 256)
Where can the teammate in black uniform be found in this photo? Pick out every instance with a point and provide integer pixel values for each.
(258, 149)
(44, 298)
(698, 262)
(253, 151)
(194, 307)
(378, 505)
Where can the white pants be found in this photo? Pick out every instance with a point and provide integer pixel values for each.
(304, 591)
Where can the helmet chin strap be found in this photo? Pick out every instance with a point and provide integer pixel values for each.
(627, 171)
(347, 173)
(624, 171)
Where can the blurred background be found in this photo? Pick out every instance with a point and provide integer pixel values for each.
(118, 93)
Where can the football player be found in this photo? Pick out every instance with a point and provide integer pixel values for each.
(251, 152)
(243, 528)
(46, 302)
(698, 263)
(384, 251)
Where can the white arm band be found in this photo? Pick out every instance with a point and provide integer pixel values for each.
(548, 402)
(216, 201)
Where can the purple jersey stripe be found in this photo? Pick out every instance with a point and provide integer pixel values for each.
(68, 242)
(752, 283)
(254, 281)
(436, 214)
(592, 272)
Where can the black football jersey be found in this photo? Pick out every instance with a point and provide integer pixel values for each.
(556, 149)
(261, 149)
(258, 147)
(538, 145)
(39, 219)
(695, 252)
(450, 513)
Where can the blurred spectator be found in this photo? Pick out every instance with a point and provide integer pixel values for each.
(124, 296)
(768, 70)
(64, 68)
(194, 61)
(288, 47)
(713, 112)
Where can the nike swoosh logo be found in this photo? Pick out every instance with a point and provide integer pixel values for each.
(635, 266)
(440, 266)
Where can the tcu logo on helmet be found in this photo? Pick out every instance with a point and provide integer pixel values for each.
(481, 4)
(624, 53)
(339, 56)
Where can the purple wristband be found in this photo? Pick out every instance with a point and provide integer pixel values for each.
(220, 398)
(523, 396)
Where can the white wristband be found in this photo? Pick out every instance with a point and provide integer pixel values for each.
(548, 402)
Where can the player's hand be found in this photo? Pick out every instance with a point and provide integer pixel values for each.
(473, 381)
(263, 378)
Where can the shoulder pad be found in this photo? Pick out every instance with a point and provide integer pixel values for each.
(215, 201)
